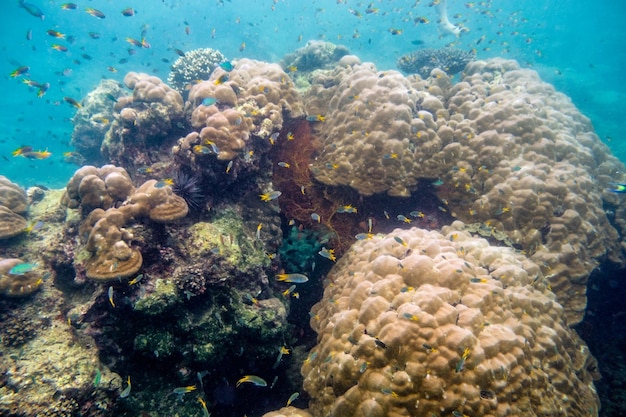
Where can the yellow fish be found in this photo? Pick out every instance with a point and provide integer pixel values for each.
(253, 379)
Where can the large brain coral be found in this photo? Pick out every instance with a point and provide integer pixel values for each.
(419, 323)
(512, 154)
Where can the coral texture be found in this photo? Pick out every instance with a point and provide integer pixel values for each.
(508, 151)
(142, 120)
(422, 323)
(13, 203)
(423, 61)
(92, 120)
(316, 54)
(252, 100)
(99, 191)
(194, 65)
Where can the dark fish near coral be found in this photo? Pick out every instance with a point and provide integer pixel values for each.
(417, 42)
(32, 9)
(72, 102)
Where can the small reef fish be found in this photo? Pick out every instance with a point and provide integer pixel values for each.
(55, 34)
(32, 9)
(616, 187)
(20, 71)
(292, 398)
(133, 41)
(403, 218)
(164, 183)
(294, 278)
(221, 80)
(400, 240)
(205, 412)
(316, 217)
(258, 231)
(347, 209)
(21, 150)
(111, 297)
(34, 227)
(95, 12)
(135, 280)
(126, 391)
(328, 254)
(128, 12)
(97, 379)
(36, 154)
(242, 47)
(227, 66)
(363, 236)
(461, 364)
(229, 166)
(69, 6)
(180, 391)
(289, 290)
(72, 102)
(58, 47)
(273, 195)
(316, 118)
(253, 379)
(94, 35)
(21, 269)
(395, 31)
(283, 164)
(208, 101)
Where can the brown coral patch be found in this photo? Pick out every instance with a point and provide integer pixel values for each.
(11, 224)
(115, 264)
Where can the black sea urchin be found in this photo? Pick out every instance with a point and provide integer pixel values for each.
(188, 187)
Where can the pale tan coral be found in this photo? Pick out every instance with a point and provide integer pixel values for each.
(374, 136)
(289, 411)
(12, 196)
(93, 187)
(157, 202)
(13, 202)
(150, 89)
(444, 324)
(513, 154)
(253, 101)
(112, 256)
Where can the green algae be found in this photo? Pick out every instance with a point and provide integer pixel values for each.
(164, 297)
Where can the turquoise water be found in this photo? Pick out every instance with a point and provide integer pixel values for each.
(573, 45)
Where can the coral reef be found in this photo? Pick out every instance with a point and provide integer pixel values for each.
(246, 106)
(421, 323)
(423, 61)
(98, 191)
(143, 121)
(13, 204)
(506, 149)
(316, 54)
(194, 65)
(92, 121)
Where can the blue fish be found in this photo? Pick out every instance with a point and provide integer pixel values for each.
(227, 66)
(32, 9)
(21, 269)
(209, 101)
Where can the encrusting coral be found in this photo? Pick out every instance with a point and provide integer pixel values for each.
(502, 148)
(13, 203)
(420, 322)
